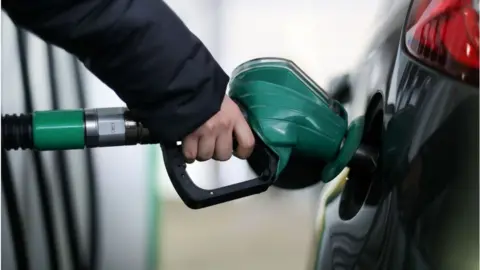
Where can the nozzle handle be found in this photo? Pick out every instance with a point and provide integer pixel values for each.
(195, 197)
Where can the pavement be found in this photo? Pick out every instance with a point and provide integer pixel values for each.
(267, 232)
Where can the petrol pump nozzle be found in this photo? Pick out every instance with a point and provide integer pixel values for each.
(295, 117)
(105, 127)
(289, 114)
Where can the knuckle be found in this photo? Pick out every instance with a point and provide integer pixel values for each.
(225, 123)
(209, 126)
(191, 139)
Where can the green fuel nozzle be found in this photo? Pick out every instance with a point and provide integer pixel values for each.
(294, 117)
(296, 125)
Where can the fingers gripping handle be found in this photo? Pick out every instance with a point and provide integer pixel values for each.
(196, 197)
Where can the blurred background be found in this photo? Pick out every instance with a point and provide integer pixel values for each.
(143, 224)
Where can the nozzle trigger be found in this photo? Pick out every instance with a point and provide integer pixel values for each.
(195, 197)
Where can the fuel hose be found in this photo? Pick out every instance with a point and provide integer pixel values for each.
(14, 217)
(67, 197)
(94, 221)
(43, 187)
(72, 129)
(78, 129)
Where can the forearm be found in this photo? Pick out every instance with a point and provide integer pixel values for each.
(140, 49)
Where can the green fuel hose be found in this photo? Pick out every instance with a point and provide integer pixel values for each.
(72, 129)
(79, 129)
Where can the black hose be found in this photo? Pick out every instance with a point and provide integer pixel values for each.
(94, 224)
(66, 193)
(17, 131)
(16, 223)
(43, 189)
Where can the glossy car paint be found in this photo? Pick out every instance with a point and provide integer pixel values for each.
(419, 210)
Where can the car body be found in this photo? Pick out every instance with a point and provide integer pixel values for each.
(419, 209)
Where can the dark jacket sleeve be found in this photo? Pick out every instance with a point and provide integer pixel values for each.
(140, 49)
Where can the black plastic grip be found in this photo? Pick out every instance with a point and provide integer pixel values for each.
(195, 197)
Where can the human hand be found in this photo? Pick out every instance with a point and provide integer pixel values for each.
(214, 138)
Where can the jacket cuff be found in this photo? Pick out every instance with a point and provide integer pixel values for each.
(169, 125)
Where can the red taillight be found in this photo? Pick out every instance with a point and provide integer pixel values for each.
(445, 35)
